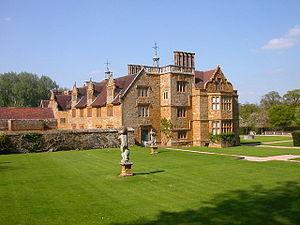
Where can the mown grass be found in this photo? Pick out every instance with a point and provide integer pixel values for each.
(83, 187)
(260, 139)
(247, 150)
(285, 144)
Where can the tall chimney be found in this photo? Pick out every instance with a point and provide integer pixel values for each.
(184, 59)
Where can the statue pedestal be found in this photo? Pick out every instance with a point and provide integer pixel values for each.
(126, 169)
(154, 150)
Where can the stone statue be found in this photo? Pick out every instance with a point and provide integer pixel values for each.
(152, 137)
(123, 136)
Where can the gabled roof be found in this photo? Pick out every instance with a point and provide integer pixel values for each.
(63, 101)
(26, 113)
(201, 77)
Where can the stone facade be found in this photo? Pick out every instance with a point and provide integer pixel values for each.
(196, 102)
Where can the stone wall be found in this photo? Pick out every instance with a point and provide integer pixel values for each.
(59, 140)
(27, 124)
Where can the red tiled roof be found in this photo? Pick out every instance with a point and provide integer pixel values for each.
(82, 102)
(63, 101)
(100, 99)
(201, 77)
(26, 113)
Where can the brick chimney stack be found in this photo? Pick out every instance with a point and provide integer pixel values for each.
(184, 59)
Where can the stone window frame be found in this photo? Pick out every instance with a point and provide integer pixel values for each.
(81, 112)
(215, 105)
(216, 127)
(181, 86)
(143, 110)
(227, 126)
(73, 125)
(98, 112)
(181, 112)
(110, 111)
(73, 112)
(62, 120)
(142, 91)
(182, 134)
(226, 103)
(166, 95)
(89, 112)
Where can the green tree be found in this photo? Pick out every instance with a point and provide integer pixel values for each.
(297, 116)
(281, 116)
(24, 89)
(292, 98)
(270, 99)
(165, 128)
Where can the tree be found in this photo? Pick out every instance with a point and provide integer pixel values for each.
(165, 128)
(281, 116)
(246, 113)
(292, 98)
(24, 89)
(270, 99)
(297, 116)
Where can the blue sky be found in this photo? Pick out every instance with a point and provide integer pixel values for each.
(257, 43)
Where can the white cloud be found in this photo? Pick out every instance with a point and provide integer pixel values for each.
(290, 39)
(7, 19)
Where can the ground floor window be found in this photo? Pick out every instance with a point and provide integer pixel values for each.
(62, 120)
(181, 134)
(226, 126)
(216, 127)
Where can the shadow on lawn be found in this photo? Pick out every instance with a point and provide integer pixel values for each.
(257, 206)
(147, 173)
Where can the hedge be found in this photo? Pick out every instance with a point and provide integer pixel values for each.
(296, 137)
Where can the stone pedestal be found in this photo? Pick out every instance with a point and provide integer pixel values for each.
(154, 150)
(126, 169)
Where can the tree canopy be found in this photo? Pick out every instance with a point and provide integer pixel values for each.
(24, 89)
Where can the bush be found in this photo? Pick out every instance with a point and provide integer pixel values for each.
(296, 137)
(34, 141)
(226, 137)
(5, 144)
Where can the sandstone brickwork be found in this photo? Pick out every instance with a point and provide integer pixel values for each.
(196, 102)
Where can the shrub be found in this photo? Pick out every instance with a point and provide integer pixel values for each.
(34, 141)
(226, 137)
(5, 144)
(296, 137)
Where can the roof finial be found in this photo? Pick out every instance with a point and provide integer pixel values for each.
(108, 73)
(155, 57)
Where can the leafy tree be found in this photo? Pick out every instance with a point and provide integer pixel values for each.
(24, 89)
(271, 99)
(297, 116)
(281, 116)
(292, 98)
(165, 128)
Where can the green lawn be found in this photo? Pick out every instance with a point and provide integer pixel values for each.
(247, 150)
(265, 139)
(82, 187)
(286, 144)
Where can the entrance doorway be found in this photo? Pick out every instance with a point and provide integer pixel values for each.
(145, 136)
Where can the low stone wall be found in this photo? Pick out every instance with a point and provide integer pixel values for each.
(28, 124)
(58, 140)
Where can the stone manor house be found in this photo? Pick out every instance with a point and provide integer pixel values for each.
(196, 102)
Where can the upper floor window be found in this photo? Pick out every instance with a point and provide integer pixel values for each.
(215, 103)
(216, 127)
(143, 110)
(166, 95)
(98, 112)
(73, 112)
(219, 84)
(81, 112)
(89, 112)
(226, 103)
(110, 111)
(62, 120)
(181, 134)
(181, 112)
(142, 91)
(181, 86)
